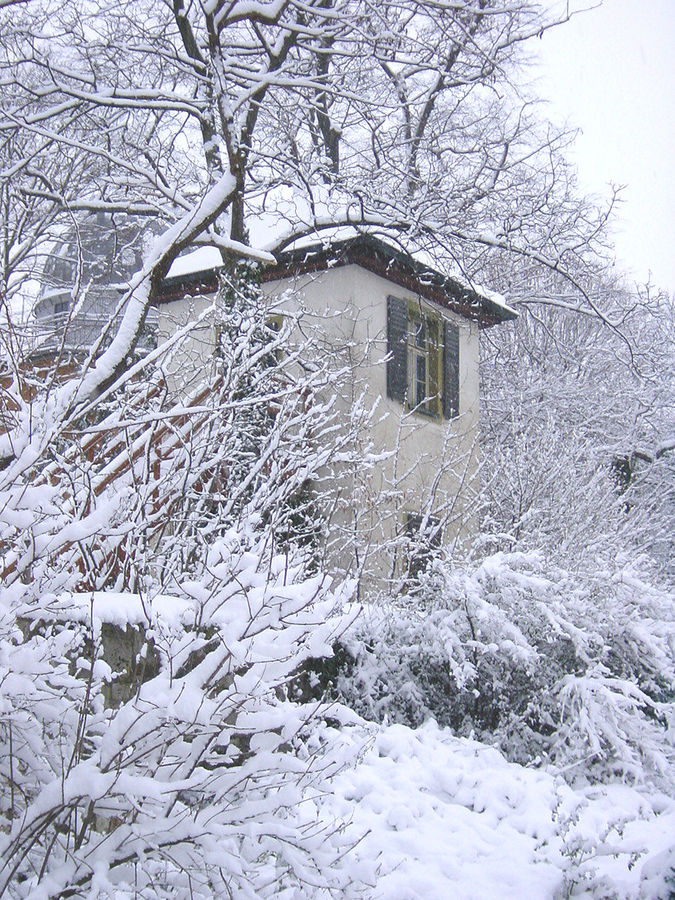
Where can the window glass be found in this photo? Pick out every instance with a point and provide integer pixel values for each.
(424, 368)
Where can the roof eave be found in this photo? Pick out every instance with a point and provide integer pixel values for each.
(371, 254)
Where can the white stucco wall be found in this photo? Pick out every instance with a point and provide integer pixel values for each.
(424, 464)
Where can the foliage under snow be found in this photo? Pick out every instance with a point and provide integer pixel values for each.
(445, 816)
(550, 665)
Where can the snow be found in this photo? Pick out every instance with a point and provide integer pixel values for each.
(423, 814)
(287, 214)
(122, 609)
(267, 232)
(203, 259)
(449, 817)
(437, 816)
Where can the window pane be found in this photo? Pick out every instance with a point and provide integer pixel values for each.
(434, 373)
(424, 373)
(421, 379)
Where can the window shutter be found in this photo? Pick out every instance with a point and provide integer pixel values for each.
(397, 349)
(450, 370)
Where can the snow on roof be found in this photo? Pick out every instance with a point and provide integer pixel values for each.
(419, 262)
(412, 268)
(200, 260)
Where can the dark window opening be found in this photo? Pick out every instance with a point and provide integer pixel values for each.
(61, 307)
(424, 538)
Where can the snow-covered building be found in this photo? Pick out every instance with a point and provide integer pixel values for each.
(409, 335)
(81, 284)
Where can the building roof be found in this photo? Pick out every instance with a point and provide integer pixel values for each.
(372, 254)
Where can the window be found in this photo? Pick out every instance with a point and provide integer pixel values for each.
(424, 363)
(273, 327)
(61, 307)
(422, 359)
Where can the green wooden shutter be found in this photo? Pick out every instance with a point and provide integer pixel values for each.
(397, 349)
(450, 370)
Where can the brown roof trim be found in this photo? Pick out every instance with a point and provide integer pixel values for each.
(194, 284)
(371, 254)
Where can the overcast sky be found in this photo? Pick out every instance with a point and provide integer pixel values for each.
(611, 71)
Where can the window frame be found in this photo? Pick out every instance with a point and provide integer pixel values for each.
(449, 356)
(427, 353)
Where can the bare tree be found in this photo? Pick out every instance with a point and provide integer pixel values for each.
(578, 426)
(241, 125)
(191, 500)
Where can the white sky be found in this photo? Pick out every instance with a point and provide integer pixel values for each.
(611, 72)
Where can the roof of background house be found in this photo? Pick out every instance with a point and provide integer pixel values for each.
(192, 275)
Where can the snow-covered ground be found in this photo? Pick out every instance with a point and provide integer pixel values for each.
(450, 819)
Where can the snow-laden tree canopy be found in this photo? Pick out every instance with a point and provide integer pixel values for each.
(246, 125)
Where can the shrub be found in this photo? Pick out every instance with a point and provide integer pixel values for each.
(577, 670)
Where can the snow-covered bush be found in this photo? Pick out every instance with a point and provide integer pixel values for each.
(172, 507)
(577, 430)
(450, 817)
(203, 783)
(551, 665)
